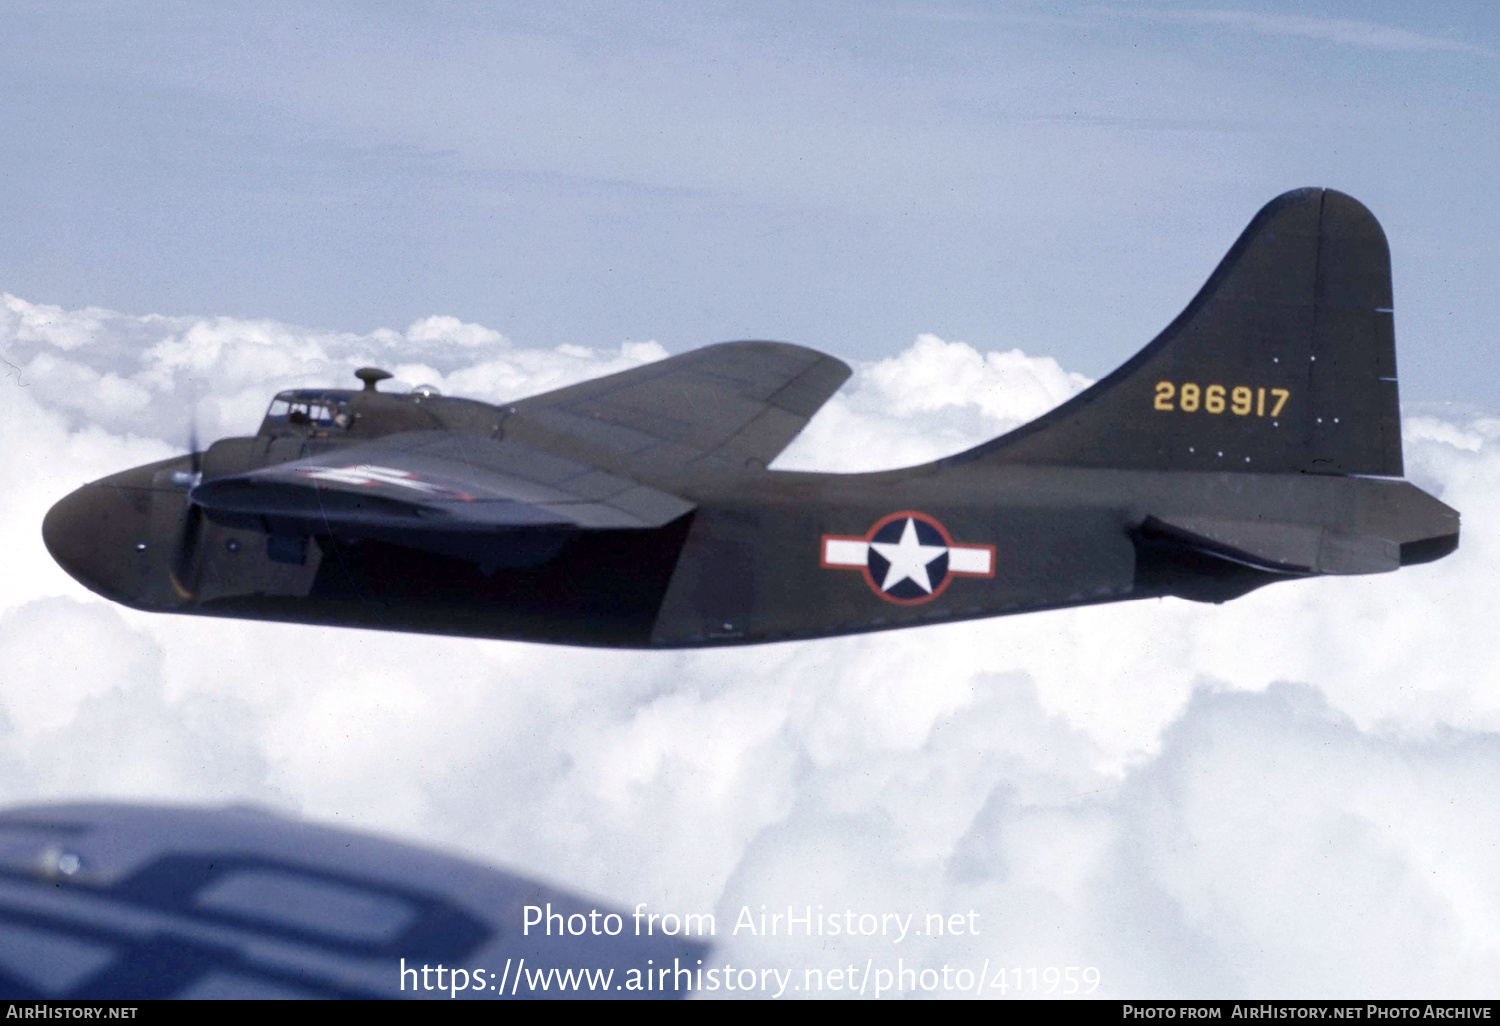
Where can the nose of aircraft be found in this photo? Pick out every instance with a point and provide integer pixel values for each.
(117, 536)
(100, 535)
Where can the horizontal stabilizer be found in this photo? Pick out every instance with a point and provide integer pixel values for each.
(1279, 547)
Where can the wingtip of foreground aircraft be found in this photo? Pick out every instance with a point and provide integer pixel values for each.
(1256, 439)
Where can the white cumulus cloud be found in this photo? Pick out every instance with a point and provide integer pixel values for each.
(1292, 794)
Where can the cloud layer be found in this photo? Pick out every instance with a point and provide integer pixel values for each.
(1293, 794)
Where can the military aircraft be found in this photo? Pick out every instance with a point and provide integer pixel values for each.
(1257, 439)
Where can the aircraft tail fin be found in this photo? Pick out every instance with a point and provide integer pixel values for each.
(1285, 361)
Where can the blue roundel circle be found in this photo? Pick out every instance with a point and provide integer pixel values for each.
(908, 559)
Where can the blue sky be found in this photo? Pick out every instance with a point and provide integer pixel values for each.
(1050, 176)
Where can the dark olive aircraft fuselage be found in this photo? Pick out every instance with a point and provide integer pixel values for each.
(637, 510)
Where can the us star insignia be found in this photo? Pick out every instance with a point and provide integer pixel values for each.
(907, 557)
(367, 475)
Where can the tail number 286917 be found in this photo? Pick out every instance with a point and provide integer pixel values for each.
(1240, 400)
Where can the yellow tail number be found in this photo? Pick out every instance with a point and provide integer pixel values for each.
(1239, 400)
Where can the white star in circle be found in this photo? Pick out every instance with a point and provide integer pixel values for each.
(908, 559)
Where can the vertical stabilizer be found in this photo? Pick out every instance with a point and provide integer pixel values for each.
(1285, 361)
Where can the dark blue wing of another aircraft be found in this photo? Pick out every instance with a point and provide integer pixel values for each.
(113, 901)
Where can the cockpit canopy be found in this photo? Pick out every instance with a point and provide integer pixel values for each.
(307, 408)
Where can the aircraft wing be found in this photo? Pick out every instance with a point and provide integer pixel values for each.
(443, 482)
(721, 408)
(108, 901)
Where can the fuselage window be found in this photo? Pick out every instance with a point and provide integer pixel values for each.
(318, 413)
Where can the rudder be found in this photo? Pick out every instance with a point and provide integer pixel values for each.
(1285, 361)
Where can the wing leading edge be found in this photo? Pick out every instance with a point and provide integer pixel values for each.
(448, 492)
